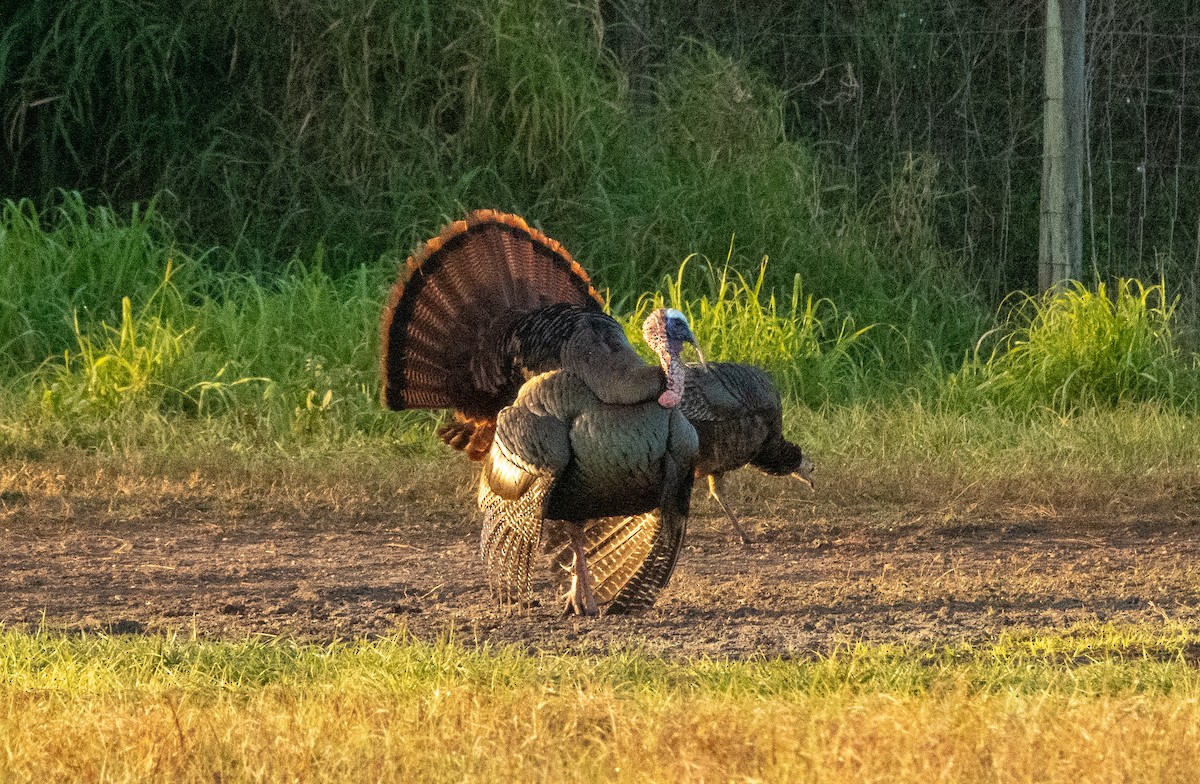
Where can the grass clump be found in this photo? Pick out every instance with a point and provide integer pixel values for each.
(146, 360)
(72, 264)
(114, 336)
(288, 363)
(313, 337)
(1081, 347)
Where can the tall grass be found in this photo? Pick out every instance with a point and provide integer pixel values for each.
(1080, 347)
(812, 351)
(270, 131)
(71, 262)
(115, 336)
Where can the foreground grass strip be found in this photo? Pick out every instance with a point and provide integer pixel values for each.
(1091, 704)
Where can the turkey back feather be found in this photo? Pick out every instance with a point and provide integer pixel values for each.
(449, 314)
(721, 391)
(738, 416)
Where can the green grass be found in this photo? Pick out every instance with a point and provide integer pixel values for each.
(1083, 347)
(1081, 705)
(808, 346)
(394, 118)
(124, 341)
(1090, 660)
(636, 138)
(67, 260)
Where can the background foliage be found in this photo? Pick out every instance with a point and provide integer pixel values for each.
(205, 200)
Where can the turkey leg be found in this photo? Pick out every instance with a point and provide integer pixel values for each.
(715, 486)
(581, 596)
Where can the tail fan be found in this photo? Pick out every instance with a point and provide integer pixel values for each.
(448, 311)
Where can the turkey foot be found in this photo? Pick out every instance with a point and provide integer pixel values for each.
(581, 596)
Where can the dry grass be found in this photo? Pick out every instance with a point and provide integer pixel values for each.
(1097, 704)
(897, 462)
(280, 736)
(1104, 705)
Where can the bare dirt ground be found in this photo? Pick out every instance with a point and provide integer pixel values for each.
(100, 549)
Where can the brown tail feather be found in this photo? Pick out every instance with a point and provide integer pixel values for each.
(468, 434)
(453, 298)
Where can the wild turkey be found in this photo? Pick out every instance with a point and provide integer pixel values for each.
(561, 457)
(738, 417)
(491, 304)
(483, 307)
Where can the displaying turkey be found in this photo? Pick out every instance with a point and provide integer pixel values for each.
(483, 307)
(562, 457)
(479, 318)
(738, 416)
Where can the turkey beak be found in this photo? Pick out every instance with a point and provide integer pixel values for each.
(805, 474)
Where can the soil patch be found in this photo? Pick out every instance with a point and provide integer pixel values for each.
(134, 555)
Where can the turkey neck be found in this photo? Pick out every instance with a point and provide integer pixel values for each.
(657, 332)
(673, 369)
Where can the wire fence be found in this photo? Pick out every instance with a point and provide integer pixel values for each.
(936, 108)
(893, 94)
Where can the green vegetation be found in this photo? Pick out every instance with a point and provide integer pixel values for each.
(1086, 347)
(119, 338)
(270, 167)
(389, 120)
(1087, 704)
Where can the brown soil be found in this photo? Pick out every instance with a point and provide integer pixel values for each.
(115, 551)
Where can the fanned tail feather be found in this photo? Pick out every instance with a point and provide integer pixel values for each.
(454, 297)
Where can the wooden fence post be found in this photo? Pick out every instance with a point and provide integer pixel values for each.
(1060, 256)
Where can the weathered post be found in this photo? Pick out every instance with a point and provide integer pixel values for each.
(1060, 256)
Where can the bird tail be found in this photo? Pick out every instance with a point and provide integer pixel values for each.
(442, 326)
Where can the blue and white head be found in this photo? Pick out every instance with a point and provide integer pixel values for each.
(665, 331)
